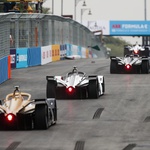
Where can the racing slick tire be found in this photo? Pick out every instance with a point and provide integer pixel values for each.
(93, 90)
(145, 52)
(145, 67)
(126, 51)
(51, 89)
(41, 117)
(113, 66)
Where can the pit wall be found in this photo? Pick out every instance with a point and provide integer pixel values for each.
(28, 57)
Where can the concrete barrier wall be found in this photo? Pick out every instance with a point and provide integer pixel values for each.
(28, 57)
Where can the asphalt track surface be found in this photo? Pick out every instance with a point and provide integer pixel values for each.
(118, 120)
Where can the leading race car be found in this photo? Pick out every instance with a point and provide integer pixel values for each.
(75, 85)
(19, 111)
(141, 50)
(129, 64)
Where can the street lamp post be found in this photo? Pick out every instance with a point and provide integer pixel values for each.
(52, 7)
(145, 15)
(145, 39)
(61, 7)
(83, 10)
(75, 5)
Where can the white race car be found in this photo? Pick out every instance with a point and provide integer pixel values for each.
(75, 85)
(129, 64)
(137, 49)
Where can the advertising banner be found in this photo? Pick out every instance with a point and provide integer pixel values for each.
(79, 50)
(87, 53)
(13, 58)
(83, 54)
(3, 69)
(46, 54)
(55, 52)
(34, 56)
(62, 51)
(21, 57)
(129, 28)
(69, 49)
(74, 50)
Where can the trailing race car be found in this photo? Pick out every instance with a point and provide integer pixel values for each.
(137, 49)
(129, 64)
(19, 111)
(75, 85)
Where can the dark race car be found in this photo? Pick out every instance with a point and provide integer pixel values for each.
(19, 111)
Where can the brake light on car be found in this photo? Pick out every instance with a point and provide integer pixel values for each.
(70, 89)
(10, 117)
(135, 51)
(128, 66)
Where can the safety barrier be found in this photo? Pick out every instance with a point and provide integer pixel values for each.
(5, 69)
(28, 57)
(34, 56)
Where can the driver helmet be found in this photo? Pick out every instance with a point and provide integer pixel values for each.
(16, 92)
(75, 70)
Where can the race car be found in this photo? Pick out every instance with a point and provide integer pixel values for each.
(75, 85)
(19, 111)
(137, 49)
(129, 64)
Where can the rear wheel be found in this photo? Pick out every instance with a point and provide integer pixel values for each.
(145, 67)
(113, 66)
(145, 52)
(51, 89)
(93, 91)
(41, 117)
